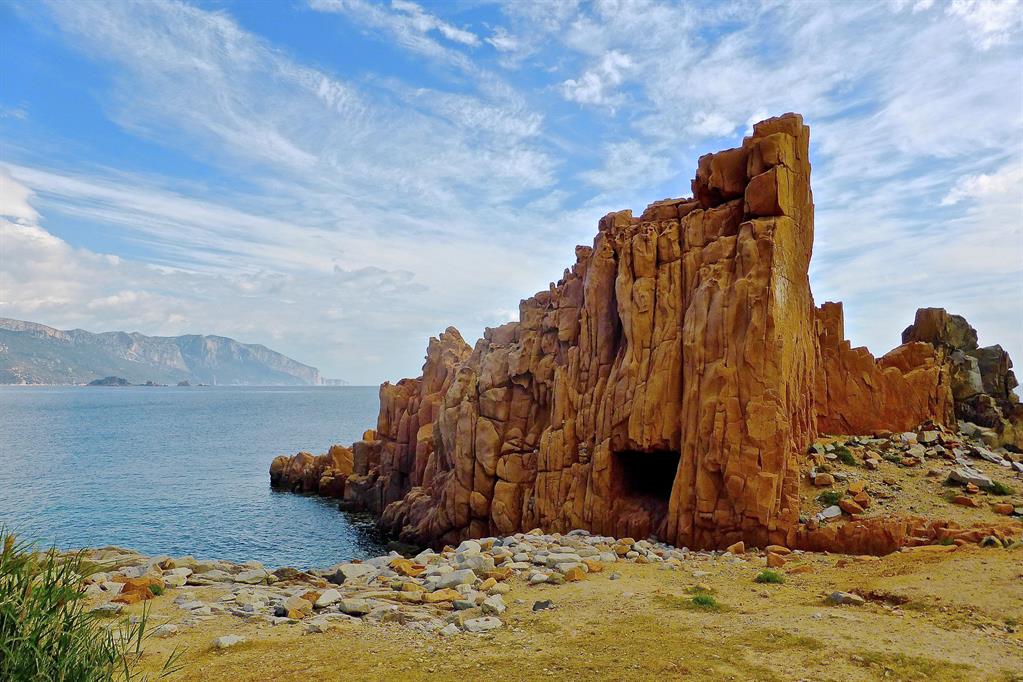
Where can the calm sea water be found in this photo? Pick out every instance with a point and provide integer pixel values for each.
(179, 470)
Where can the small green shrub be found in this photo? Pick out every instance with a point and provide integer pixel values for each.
(829, 497)
(46, 631)
(845, 456)
(769, 577)
(157, 590)
(999, 488)
(705, 601)
(700, 601)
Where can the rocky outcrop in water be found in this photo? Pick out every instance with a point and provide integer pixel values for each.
(664, 386)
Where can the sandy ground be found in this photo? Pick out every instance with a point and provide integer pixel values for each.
(933, 615)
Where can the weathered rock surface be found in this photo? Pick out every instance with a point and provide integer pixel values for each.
(982, 380)
(306, 473)
(665, 386)
(857, 393)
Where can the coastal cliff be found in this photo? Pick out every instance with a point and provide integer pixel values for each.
(666, 386)
(32, 353)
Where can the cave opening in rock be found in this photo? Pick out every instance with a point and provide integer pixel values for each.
(646, 475)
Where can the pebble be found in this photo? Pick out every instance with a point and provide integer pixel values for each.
(537, 578)
(164, 631)
(227, 641)
(355, 607)
(110, 608)
(846, 598)
(484, 624)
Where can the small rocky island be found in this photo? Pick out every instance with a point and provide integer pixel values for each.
(110, 381)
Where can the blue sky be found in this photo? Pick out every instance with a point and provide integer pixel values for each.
(341, 179)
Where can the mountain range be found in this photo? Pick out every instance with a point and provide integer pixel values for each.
(32, 353)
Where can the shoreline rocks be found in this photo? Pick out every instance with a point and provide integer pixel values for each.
(456, 590)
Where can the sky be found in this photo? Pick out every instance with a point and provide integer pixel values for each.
(342, 179)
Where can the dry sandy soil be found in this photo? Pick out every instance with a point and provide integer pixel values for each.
(940, 613)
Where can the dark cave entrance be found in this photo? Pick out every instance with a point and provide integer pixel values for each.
(647, 476)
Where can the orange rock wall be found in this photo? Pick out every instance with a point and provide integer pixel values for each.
(665, 385)
(856, 393)
(684, 336)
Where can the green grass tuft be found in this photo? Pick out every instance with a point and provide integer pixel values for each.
(700, 601)
(999, 488)
(769, 577)
(845, 456)
(705, 601)
(46, 630)
(829, 497)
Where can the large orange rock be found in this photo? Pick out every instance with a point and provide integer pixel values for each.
(665, 385)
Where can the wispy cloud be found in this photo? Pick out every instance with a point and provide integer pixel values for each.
(598, 84)
(372, 210)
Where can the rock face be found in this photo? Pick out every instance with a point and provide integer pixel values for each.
(857, 393)
(982, 380)
(664, 386)
(306, 473)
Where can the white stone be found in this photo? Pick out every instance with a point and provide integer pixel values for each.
(469, 547)
(166, 630)
(227, 641)
(455, 578)
(353, 572)
(484, 624)
(494, 605)
(327, 598)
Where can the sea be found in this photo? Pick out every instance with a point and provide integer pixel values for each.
(179, 471)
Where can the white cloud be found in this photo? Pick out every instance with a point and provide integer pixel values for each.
(14, 199)
(1006, 183)
(598, 84)
(409, 25)
(425, 22)
(502, 41)
(381, 211)
(993, 22)
(627, 166)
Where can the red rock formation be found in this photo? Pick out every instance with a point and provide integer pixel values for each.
(306, 473)
(882, 535)
(682, 337)
(982, 380)
(664, 386)
(857, 393)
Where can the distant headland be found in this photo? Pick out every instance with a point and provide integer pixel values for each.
(32, 353)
